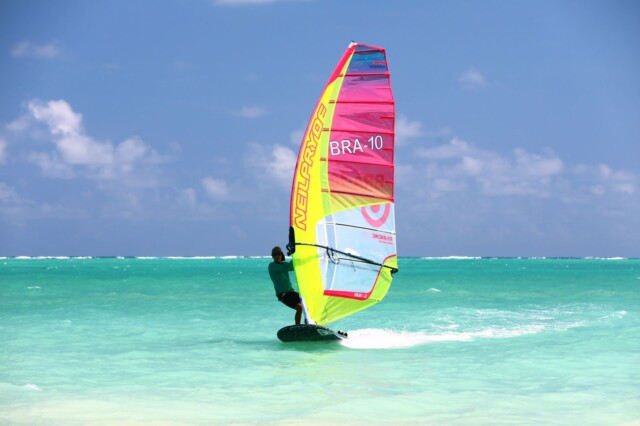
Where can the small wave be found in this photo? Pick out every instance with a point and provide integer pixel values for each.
(191, 257)
(434, 290)
(375, 338)
(32, 387)
(51, 257)
(607, 258)
(615, 315)
(452, 257)
(48, 257)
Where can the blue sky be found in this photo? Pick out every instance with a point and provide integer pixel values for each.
(171, 127)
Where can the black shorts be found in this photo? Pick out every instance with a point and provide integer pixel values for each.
(290, 298)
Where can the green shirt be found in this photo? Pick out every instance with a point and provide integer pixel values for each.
(279, 273)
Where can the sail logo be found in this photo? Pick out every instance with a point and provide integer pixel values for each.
(305, 165)
(349, 146)
(376, 215)
(385, 239)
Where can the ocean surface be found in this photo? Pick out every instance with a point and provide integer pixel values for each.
(192, 341)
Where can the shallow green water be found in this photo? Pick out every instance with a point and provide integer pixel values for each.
(192, 341)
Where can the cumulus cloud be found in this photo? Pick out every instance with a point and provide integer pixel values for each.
(30, 49)
(189, 197)
(472, 79)
(215, 188)
(75, 151)
(461, 166)
(58, 115)
(458, 165)
(282, 163)
(7, 193)
(252, 112)
(602, 179)
(51, 165)
(455, 148)
(3, 150)
(406, 129)
(296, 137)
(272, 164)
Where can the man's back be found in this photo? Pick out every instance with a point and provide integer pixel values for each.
(279, 274)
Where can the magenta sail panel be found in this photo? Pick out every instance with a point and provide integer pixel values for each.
(360, 154)
(366, 88)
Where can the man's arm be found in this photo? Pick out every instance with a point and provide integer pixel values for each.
(283, 266)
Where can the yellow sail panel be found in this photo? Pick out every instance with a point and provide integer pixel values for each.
(308, 195)
(340, 307)
(342, 200)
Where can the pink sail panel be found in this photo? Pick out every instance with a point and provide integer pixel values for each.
(366, 88)
(361, 142)
(363, 117)
(361, 179)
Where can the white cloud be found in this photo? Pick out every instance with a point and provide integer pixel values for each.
(51, 165)
(459, 166)
(7, 193)
(132, 150)
(537, 165)
(272, 165)
(19, 125)
(76, 152)
(3, 150)
(597, 190)
(282, 163)
(455, 148)
(215, 188)
(472, 79)
(82, 150)
(252, 112)
(406, 129)
(58, 115)
(189, 197)
(614, 180)
(296, 137)
(29, 49)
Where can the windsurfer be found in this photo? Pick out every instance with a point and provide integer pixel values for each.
(279, 273)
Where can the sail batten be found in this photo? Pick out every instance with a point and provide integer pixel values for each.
(360, 194)
(342, 199)
(363, 102)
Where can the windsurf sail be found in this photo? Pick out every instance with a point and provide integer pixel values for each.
(343, 235)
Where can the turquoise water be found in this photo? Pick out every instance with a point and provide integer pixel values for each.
(115, 341)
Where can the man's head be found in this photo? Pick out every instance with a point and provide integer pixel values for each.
(277, 253)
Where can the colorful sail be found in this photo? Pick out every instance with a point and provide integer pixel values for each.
(342, 198)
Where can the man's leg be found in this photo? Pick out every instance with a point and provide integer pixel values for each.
(298, 313)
